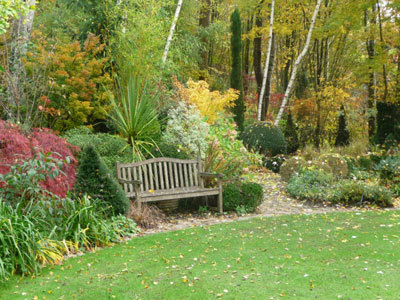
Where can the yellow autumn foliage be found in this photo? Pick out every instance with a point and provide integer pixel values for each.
(210, 103)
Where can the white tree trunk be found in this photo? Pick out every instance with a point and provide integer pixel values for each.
(262, 92)
(297, 63)
(171, 32)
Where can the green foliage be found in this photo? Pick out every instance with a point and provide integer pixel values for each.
(232, 196)
(239, 195)
(389, 167)
(236, 73)
(311, 185)
(187, 130)
(317, 185)
(351, 192)
(343, 134)
(10, 9)
(253, 195)
(265, 138)
(274, 163)
(94, 180)
(19, 242)
(22, 184)
(111, 148)
(224, 135)
(166, 149)
(135, 115)
(291, 136)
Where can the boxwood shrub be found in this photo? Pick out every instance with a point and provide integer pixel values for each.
(242, 194)
(265, 138)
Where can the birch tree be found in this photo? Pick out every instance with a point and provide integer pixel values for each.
(171, 32)
(297, 63)
(261, 96)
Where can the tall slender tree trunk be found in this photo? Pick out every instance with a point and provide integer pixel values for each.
(204, 22)
(271, 66)
(257, 50)
(246, 50)
(267, 60)
(21, 35)
(171, 32)
(370, 45)
(297, 63)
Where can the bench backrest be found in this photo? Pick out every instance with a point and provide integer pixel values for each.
(161, 174)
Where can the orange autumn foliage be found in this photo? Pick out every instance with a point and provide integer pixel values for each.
(75, 77)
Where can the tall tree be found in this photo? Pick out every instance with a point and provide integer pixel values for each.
(297, 63)
(171, 32)
(236, 73)
(267, 62)
(370, 22)
(204, 23)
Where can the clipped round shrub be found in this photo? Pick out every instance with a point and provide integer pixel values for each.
(265, 138)
(252, 195)
(232, 197)
(351, 192)
(291, 167)
(333, 163)
(274, 163)
(247, 195)
(94, 180)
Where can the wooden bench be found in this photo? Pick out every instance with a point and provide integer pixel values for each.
(161, 179)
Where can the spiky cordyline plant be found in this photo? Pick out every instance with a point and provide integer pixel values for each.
(135, 115)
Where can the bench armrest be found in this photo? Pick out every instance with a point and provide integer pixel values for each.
(207, 174)
(135, 182)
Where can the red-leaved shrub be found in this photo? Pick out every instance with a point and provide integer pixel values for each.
(15, 144)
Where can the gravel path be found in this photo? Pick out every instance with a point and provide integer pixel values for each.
(276, 202)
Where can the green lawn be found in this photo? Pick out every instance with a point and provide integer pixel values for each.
(345, 255)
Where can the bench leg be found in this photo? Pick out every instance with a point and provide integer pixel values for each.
(138, 204)
(220, 209)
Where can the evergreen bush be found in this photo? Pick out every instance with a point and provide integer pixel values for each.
(291, 136)
(111, 148)
(232, 197)
(94, 180)
(239, 195)
(343, 134)
(265, 138)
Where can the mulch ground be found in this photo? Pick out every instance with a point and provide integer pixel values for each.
(276, 202)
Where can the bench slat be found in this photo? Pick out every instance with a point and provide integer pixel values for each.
(146, 178)
(156, 176)
(170, 174)
(195, 175)
(176, 175)
(190, 173)
(181, 184)
(166, 175)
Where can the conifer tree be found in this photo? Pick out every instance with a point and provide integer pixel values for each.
(236, 73)
(291, 136)
(387, 118)
(94, 180)
(343, 135)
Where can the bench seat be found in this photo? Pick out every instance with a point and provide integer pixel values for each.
(164, 178)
